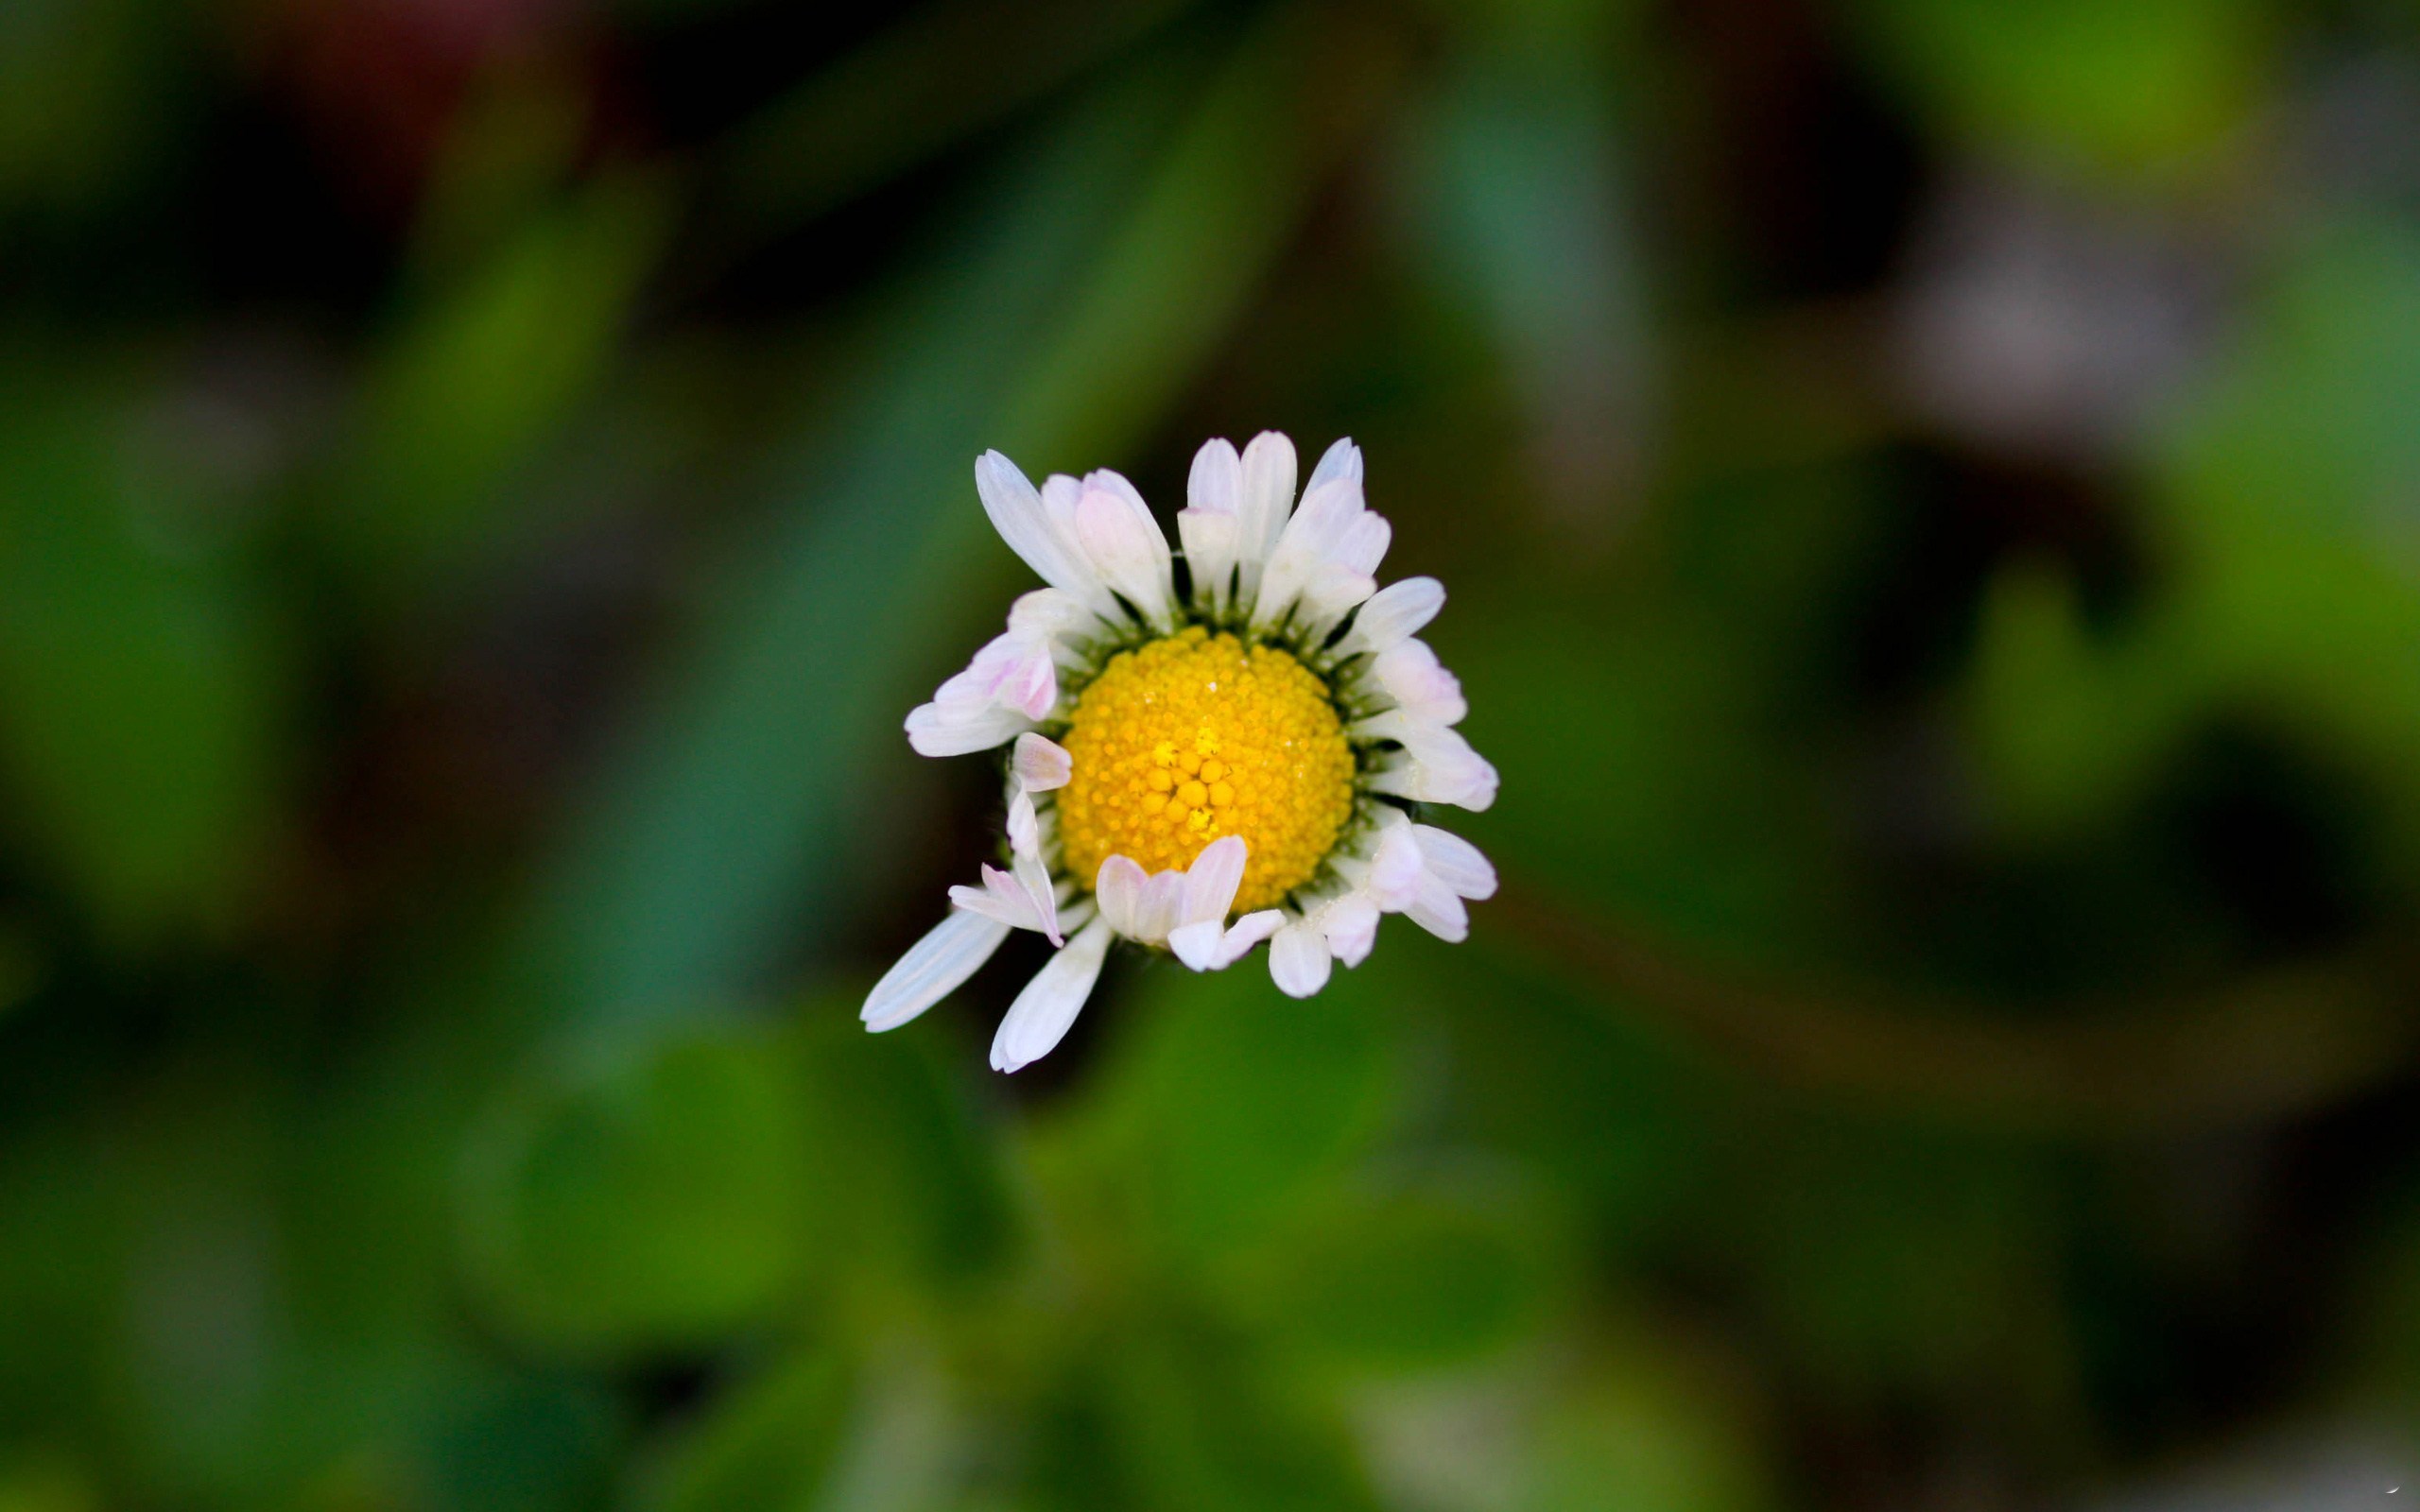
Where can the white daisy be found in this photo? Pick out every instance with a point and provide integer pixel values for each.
(1202, 760)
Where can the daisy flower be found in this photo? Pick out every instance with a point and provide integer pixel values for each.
(1208, 749)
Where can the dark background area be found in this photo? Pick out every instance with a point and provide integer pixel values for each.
(1930, 496)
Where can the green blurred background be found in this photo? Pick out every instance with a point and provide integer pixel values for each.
(1930, 491)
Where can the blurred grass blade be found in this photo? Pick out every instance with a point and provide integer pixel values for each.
(483, 372)
(1522, 201)
(725, 834)
(918, 88)
(142, 689)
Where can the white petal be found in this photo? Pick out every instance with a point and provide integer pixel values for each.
(933, 968)
(1051, 613)
(1340, 460)
(1197, 944)
(1017, 513)
(1310, 542)
(1211, 882)
(1041, 764)
(1037, 1019)
(1333, 589)
(1364, 543)
(1418, 682)
(1351, 926)
(1298, 960)
(1216, 486)
(1161, 907)
(1437, 767)
(934, 730)
(1209, 553)
(1267, 496)
(1437, 910)
(1455, 862)
(1002, 897)
(1247, 932)
(1205, 947)
(1025, 826)
(1394, 614)
(1035, 879)
(1394, 869)
(1119, 890)
(1125, 543)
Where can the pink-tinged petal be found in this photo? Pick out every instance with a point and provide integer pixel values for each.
(1040, 1017)
(1002, 897)
(1127, 549)
(933, 968)
(1119, 890)
(1211, 882)
(1042, 765)
(1161, 907)
(1034, 879)
(1298, 960)
(1031, 685)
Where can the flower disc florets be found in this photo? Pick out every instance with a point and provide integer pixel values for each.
(1206, 762)
(1195, 736)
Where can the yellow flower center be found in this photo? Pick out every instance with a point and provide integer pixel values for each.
(1196, 736)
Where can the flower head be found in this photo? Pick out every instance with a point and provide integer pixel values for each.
(1207, 760)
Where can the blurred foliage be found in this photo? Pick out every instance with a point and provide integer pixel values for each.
(1931, 493)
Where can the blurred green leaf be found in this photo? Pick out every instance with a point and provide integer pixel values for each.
(1233, 1102)
(922, 1196)
(767, 1445)
(1426, 1275)
(520, 1443)
(88, 98)
(33, 1483)
(947, 71)
(2287, 489)
(1641, 1440)
(1563, 1074)
(1523, 209)
(142, 684)
(655, 1192)
(482, 371)
(1632, 774)
(2066, 729)
(1894, 1264)
(1173, 1416)
(2149, 87)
